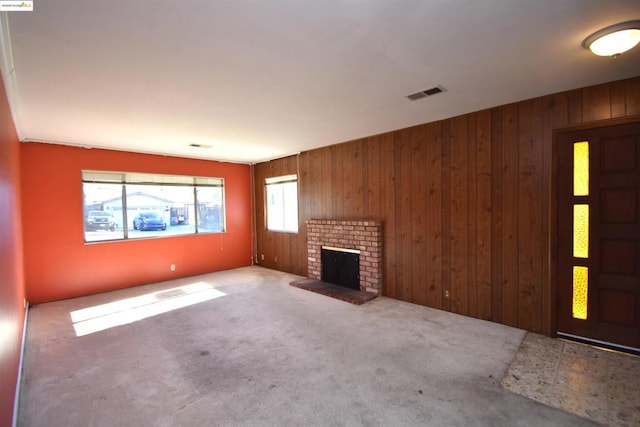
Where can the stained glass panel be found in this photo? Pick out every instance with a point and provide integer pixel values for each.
(580, 289)
(581, 169)
(581, 231)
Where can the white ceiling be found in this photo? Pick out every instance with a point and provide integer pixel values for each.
(257, 80)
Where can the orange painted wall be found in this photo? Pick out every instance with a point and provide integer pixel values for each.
(11, 266)
(58, 264)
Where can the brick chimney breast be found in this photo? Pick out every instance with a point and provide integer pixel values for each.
(364, 236)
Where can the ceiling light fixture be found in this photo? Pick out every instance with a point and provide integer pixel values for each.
(614, 40)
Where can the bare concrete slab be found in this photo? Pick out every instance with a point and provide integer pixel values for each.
(243, 348)
(595, 383)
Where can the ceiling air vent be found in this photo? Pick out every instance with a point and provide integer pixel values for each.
(425, 93)
(416, 96)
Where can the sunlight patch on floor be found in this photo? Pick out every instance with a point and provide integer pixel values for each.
(100, 317)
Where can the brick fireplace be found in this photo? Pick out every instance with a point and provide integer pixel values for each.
(362, 236)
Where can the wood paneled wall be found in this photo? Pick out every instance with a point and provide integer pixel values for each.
(466, 203)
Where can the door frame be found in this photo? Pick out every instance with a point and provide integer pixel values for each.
(552, 238)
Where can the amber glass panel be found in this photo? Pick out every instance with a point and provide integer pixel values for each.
(581, 231)
(580, 288)
(581, 169)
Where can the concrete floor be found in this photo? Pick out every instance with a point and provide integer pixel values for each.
(601, 385)
(242, 347)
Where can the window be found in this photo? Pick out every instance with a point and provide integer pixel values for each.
(124, 205)
(282, 203)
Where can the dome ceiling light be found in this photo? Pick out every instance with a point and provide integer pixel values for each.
(614, 40)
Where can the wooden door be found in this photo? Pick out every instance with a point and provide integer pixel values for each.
(598, 277)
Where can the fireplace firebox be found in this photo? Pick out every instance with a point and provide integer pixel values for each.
(341, 267)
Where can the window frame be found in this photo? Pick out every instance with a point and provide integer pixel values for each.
(281, 181)
(128, 180)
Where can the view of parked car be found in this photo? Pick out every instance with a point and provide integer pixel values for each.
(100, 220)
(149, 221)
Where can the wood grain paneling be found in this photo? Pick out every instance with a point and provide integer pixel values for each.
(403, 213)
(574, 107)
(482, 215)
(419, 211)
(496, 210)
(433, 210)
(458, 205)
(530, 177)
(596, 104)
(555, 115)
(446, 214)
(472, 225)
(324, 179)
(388, 215)
(281, 251)
(466, 203)
(618, 102)
(510, 215)
(338, 187)
(631, 97)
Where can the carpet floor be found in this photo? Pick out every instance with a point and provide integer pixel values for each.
(242, 347)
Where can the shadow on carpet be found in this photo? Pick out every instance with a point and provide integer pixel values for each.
(339, 292)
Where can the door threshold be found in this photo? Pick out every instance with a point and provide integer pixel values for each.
(600, 344)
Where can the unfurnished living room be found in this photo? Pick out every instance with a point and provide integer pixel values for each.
(320, 212)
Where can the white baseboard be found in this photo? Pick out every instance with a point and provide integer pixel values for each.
(19, 380)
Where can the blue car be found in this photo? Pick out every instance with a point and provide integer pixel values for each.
(149, 221)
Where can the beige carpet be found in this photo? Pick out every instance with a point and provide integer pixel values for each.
(597, 384)
(243, 348)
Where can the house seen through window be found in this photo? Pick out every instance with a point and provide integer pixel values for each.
(282, 203)
(124, 205)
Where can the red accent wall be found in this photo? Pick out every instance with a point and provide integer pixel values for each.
(58, 264)
(11, 267)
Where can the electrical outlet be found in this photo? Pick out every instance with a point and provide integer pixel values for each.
(446, 294)
(172, 267)
(262, 257)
